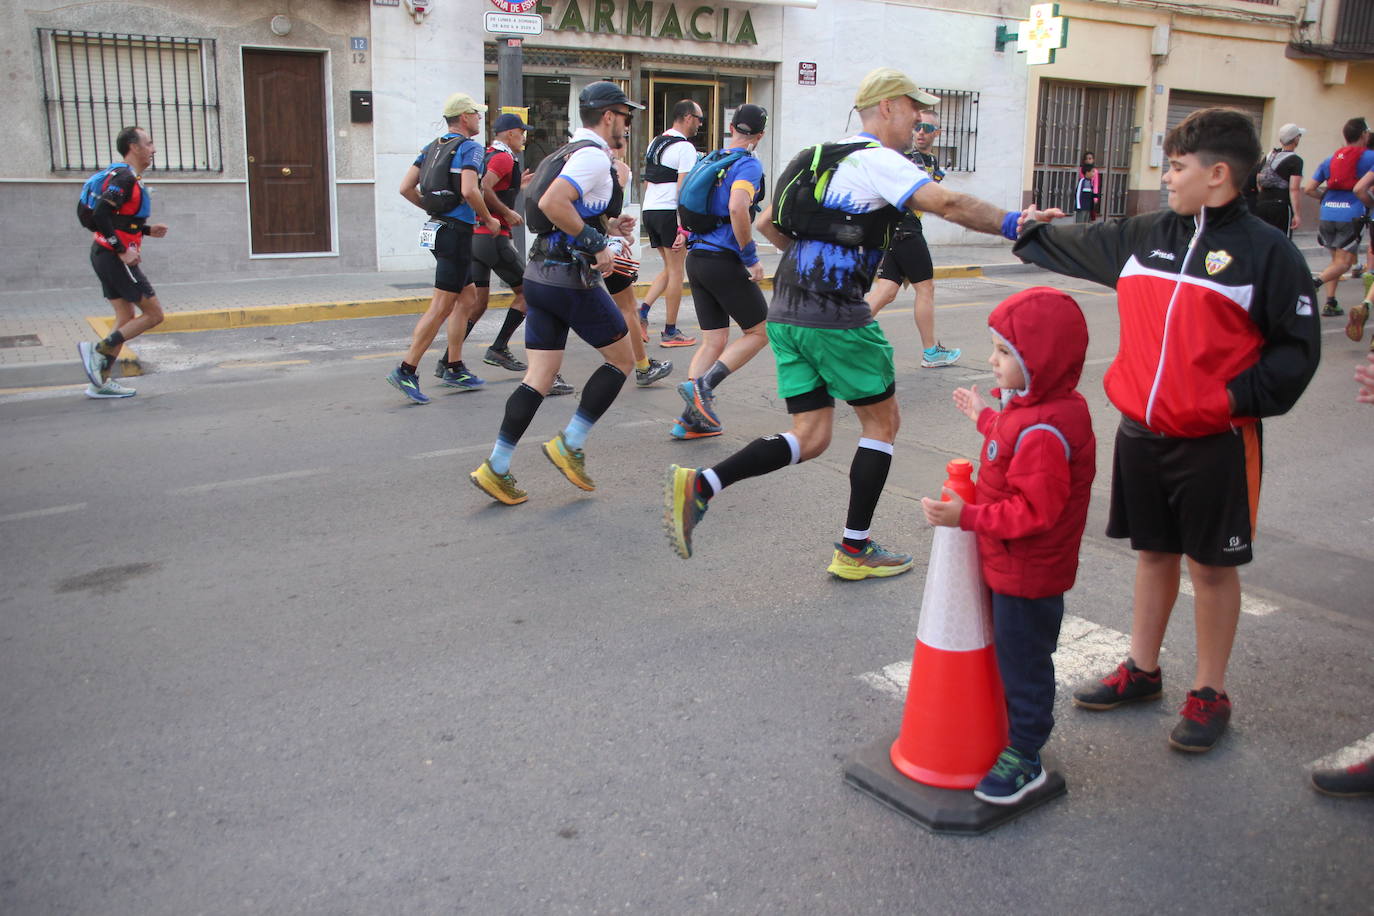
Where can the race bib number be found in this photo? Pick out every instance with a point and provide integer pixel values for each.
(427, 233)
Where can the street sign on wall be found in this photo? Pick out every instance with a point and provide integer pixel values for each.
(513, 23)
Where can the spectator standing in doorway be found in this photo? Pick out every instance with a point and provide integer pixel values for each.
(1087, 190)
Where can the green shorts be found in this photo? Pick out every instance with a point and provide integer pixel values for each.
(852, 364)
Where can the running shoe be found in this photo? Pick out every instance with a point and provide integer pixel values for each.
(93, 361)
(460, 378)
(440, 367)
(571, 461)
(657, 370)
(1127, 684)
(1010, 779)
(873, 561)
(110, 389)
(939, 355)
(1205, 715)
(701, 404)
(691, 426)
(408, 383)
(1354, 328)
(675, 338)
(1346, 782)
(500, 487)
(502, 356)
(1332, 309)
(1356, 271)
(559, 387)
(683, 508)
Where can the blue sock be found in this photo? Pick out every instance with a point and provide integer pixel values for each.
(670, 329)
(575, 434)
(500, 456)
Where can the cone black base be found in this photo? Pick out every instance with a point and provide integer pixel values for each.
(956, 811)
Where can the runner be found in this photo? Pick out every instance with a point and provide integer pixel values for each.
(667, 161)
(120, 216)
(620, 284)
(564, 291)
(724, 270)
(823, 334)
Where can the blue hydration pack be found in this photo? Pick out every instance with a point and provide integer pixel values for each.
(90, 194)
(697, 203)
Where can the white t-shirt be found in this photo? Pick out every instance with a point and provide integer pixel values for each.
(589, 170)
(871, 178)
(678, 156)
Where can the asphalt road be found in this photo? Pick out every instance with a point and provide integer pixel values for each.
(264, 649)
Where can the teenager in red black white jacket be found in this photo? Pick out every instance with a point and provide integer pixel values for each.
(1217, 330)
(1034, 483)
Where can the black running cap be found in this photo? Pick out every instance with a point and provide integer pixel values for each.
(603, 94)
(750, 120)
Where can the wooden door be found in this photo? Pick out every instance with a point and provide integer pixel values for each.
(288, 173)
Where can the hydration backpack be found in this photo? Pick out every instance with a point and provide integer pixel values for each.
(695, 210)
(655, 172)
(437, 193)
(1345, 164)
(90, 194)
(544, 176)
(1268, 176)
(798, 204)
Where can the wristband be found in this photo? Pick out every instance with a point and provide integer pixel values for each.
(1009, 225)
(589, 240)
(749, 254)
(683, 230)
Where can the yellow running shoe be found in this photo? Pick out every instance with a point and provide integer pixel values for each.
(874, 561)
(1354, 327)
(500, 487)
(571, 461)
(683, 508)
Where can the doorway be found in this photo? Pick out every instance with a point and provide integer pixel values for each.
(1076, 117)
(288, 166)
(666, 92)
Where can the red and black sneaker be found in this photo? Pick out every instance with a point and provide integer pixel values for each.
(1127, 684)
(1348, 782)
(1205, 714)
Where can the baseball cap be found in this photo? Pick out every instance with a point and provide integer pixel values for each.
(508, 121)
(461, 103)
(887, 83)
(603, 94)
(1290, 132)
(749, 119)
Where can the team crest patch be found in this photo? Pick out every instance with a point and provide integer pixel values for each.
(992, 450)
(1216, 262)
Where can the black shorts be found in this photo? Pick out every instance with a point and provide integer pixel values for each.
(662, 226)
(551, 310)
(1188, 496)
(1340, 235)
(722, 290)
(1276, 211)
(117, 279)
(908, 258)
(453, 256)
(616, 282)
(495, 254)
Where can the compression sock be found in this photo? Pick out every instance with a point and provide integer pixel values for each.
(762, 456)
(713, 377)
(597, 396)
(521, 407)
(867, 475)
(108, 345)
(670, 329)
(513, 319)
(468, 329)
(643, 311)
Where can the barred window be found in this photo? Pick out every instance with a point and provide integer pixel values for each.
(97, 83)
(957, 147)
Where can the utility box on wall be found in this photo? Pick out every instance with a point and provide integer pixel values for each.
(360, 106)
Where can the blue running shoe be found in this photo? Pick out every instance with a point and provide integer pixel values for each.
(699, 403)
(408, 383)
(939, 355)
(1011, 778)
(459, 378)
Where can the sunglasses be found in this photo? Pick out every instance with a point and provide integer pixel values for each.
(925, 127)
(629, 116)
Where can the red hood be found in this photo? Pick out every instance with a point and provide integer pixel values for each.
(1047, 333)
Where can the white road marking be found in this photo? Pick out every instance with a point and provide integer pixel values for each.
(1086, 650)
(1249, 604)
(1346, 756)
(633, 424)
(446, 452)
(40, 513)
(246, 482)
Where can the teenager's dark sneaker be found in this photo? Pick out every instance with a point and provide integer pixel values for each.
(1205, 714)
(1010, 779)
(1332, 309)
(1348, 782)
(1127, 684)
(503, 357)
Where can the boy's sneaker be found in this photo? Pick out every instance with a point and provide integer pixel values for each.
(559, 387)
(1354, 328)
(1205, 714)
(872, 561)
(1332, 309)
(1348, 782)
(460, 378)
(1127, 684)
(503, 357)
(110, 389)
(675, 338)
(657, 370)
(683, 508)
(93, 362)
(408, 383)
(571, 461)
(1010, 779)
(939, 355)
(500, 487)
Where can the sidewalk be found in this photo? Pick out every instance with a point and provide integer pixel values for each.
(39, 330)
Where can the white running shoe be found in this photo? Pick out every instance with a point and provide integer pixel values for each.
(111, 389)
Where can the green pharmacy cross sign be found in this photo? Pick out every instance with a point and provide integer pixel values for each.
(1040, 35)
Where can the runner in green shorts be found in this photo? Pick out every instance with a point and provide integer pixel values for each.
(851, 364)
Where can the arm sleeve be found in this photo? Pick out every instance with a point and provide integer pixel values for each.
(1039, 478)
(1287, 318)
(1089, 251)
(113, 197)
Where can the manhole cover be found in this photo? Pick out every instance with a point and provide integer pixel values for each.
(20, 340)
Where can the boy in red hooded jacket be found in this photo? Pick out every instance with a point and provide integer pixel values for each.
(1034, 480)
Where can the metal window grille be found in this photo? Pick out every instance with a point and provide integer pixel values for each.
(1076, 117)
(957, 148)
(1355, 26)
(97, 83)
